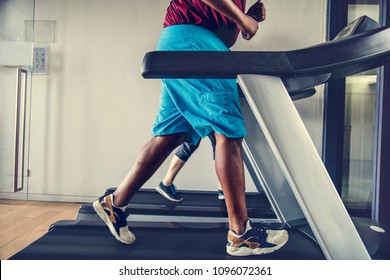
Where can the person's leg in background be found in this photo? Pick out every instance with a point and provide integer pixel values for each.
(167, 187)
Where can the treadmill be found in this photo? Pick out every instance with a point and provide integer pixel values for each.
(295, 190)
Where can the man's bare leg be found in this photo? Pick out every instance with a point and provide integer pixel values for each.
(174, 168)
(230, 171)
(151, 156)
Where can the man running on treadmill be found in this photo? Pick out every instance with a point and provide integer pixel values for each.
(190, 109)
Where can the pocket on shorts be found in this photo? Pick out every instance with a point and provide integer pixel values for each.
(217, 105)
(222, 98)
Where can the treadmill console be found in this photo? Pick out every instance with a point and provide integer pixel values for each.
(362, 24)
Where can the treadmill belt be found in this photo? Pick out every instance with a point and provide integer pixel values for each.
(91, 240)
(195, 203)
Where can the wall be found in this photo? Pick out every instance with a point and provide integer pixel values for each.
(93, 112)
(294, 25)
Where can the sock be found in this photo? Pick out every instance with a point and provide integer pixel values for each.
(123, 208)
(163, 185)
(247, 228)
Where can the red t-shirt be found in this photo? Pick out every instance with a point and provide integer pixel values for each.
(199, 13)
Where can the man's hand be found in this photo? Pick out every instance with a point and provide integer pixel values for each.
(257, 11)
(247, 24)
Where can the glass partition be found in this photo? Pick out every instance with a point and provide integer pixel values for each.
(15, 88)
(359, 126)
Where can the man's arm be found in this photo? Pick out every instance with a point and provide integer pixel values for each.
(247, 25)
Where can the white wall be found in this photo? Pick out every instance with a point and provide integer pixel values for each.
(293, 25)
(94, 111)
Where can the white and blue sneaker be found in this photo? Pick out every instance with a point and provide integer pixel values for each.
(114, 217)
(169, 192)
(255, 241)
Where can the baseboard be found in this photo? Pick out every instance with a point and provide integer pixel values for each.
(47, 197)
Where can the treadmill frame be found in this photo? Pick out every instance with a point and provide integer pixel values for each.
(300, 186)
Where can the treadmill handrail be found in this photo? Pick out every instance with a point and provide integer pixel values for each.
(339, 58)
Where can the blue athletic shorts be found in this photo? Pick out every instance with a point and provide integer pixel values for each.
(197, 106)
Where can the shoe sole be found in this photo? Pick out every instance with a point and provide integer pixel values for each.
(106, 219)
(242, 252)
(160, 191)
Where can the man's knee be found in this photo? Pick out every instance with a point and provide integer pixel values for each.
(224, 140)
(170, 141)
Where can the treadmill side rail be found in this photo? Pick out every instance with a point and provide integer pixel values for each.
(266, 172)
(302, 167)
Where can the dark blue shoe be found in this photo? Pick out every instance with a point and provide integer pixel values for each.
(255, 241)
(169, 192)
(114, 217)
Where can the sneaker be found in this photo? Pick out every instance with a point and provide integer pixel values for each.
(220, 194)
(255, 241)
(169, 192)
(114, 217)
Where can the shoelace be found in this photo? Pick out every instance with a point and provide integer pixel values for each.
(172, 189)
(122, 214)
(261, 232)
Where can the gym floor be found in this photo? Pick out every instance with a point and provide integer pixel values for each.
(23, 222)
